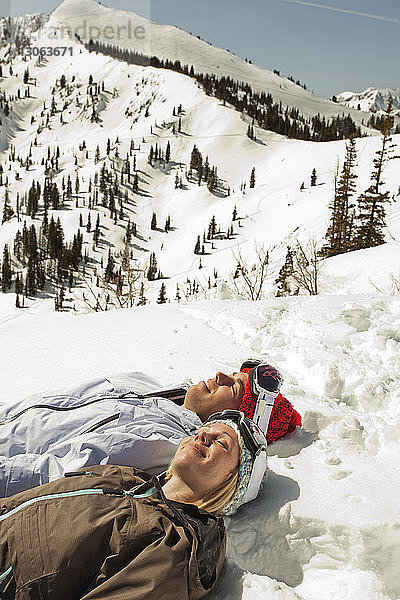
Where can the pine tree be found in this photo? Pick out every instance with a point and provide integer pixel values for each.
(7, 210)
(109, 272)
(153, 225)
(340, 231)
(371, 217)
(142, 298)
(152, 270)
(282, 282)
(96, 233)
(197, 248)
(162, 298)
(253, 178)
(6, 272)
(168, 153)
(314, 178)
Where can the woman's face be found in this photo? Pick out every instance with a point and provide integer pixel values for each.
(206, 460)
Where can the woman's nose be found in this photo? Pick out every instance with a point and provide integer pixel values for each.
(201, 437)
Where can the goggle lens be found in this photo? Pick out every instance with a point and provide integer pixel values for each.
(265, 377)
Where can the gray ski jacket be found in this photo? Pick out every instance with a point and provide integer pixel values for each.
(119, 420)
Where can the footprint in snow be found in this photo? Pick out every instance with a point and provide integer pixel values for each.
(340, 475)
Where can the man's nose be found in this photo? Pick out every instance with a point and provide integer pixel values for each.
(223, 379)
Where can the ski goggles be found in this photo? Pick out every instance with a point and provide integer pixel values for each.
(253, 438)
(264, 379)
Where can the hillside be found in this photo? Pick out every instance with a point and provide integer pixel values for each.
(60, 113)
(166, 41)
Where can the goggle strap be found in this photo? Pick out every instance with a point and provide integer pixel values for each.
(262, 414)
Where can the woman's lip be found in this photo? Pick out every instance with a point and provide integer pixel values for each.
(198, 449)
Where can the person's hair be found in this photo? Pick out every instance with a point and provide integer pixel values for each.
(215, 500)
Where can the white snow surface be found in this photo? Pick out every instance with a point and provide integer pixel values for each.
(326, 524)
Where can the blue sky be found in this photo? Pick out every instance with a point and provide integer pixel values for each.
(332, 45)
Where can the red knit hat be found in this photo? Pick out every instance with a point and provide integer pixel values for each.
(284, 418)
(249, 400)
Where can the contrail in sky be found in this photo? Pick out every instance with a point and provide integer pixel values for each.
(344, 10)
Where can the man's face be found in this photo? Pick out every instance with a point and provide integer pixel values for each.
(218, 393)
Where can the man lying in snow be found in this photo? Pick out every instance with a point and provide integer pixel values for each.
(125, 420)
(115, 532)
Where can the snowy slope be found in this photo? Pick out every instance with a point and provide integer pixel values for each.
(372, 100)
(326, 524)
(275, 213)
(166, 41)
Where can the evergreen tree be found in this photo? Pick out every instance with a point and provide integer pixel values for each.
(109, 272)
(6, 272)
(135, 186)
(314, 178)
(152, 270)
(142, 298)
(162, 298)
(282, 282)
(154, 222)
(197, 248)
(340, 230)
(212, 181)
(371, 217)
(168, 153)
(212, 228)
(253, 178)
(7, 210)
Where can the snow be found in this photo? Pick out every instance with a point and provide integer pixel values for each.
(326, 523)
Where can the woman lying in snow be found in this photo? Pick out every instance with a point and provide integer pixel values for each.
(126, 420)
(115, 532)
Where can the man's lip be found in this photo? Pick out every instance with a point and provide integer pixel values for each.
(207, 386)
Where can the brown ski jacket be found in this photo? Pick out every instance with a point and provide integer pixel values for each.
(107, 533)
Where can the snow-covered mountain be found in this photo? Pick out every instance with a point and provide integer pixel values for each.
(166, 41)
(137, 108)
(372, 100)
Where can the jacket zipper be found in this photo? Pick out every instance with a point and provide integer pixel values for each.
(89, 492)
(175, 395)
